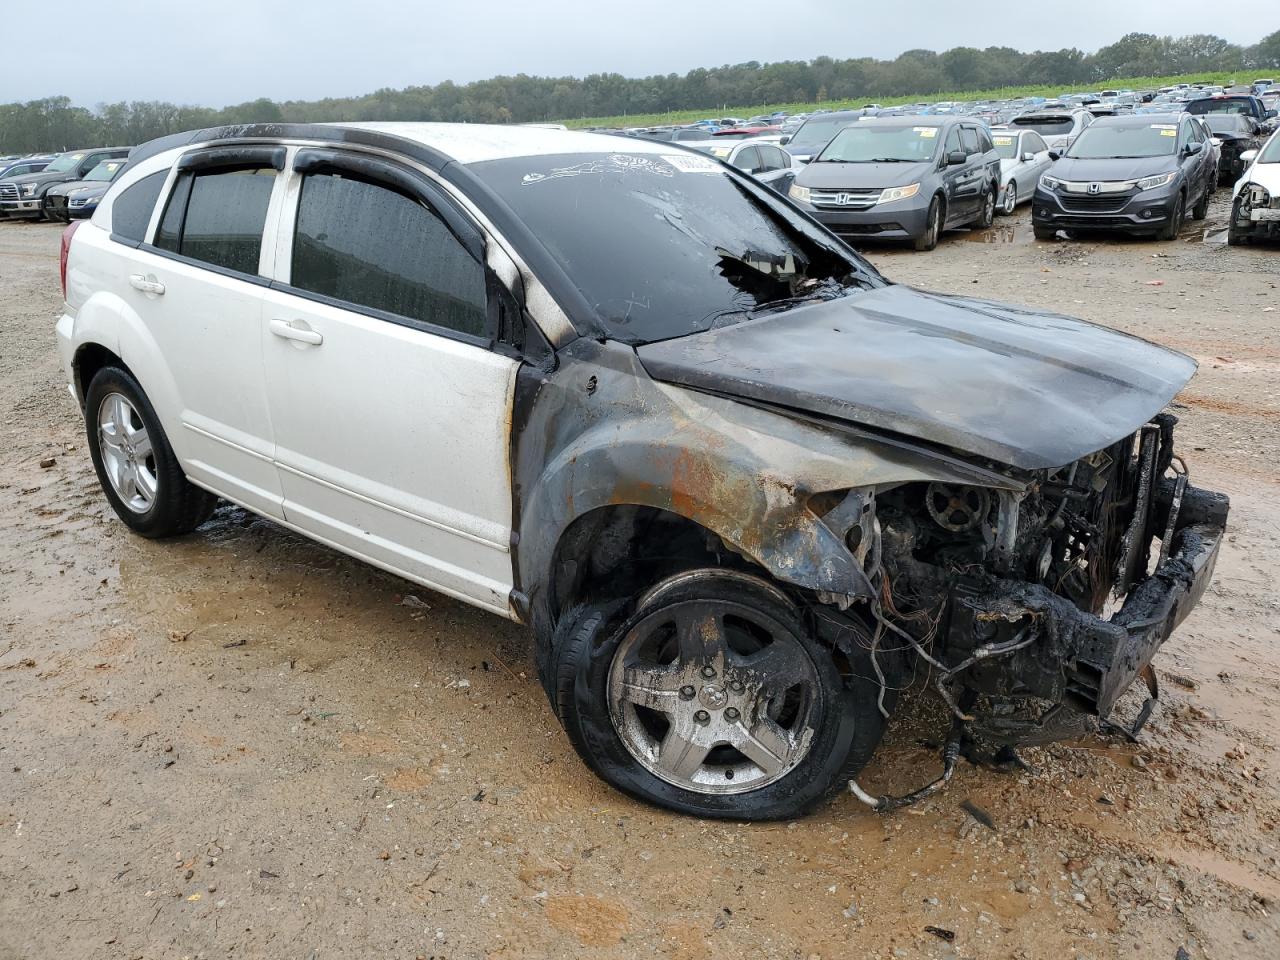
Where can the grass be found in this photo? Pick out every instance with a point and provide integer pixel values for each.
(1004, 93)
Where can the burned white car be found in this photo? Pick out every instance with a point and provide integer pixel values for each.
(742, 487)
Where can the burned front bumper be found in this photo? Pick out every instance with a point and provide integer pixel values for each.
(1027, 643)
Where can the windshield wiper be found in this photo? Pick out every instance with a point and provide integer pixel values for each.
(891, 160)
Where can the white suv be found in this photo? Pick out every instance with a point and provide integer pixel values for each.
(736, 481)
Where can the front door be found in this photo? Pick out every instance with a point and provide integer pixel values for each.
(391, 414)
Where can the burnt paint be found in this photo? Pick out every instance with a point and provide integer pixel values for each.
(1020, 387)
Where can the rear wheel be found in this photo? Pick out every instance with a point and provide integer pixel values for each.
(1170, 230)
(1010, 201)
(932, 227)
(987, 214)
(136, 467)
(712, 699)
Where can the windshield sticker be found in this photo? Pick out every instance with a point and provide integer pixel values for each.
(926, 132)
(1004, 141)
(614, 163)
(1164, 126)
(1168, 133)
(691, 164)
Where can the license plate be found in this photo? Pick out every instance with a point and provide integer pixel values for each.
(1265, 215)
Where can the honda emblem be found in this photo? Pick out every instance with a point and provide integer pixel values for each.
(1095, 187)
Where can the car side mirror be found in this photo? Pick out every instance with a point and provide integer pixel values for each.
(956, 157)
(785, 140)
(1249, 156)
(1054, 155)
(1193, 148)
(1272, 114)
(1028, 157)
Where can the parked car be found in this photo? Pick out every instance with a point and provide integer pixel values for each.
(816, 133)
(1024, 156)
(906, 178)
(22, 197)
(1236, 134)
(1249, 106)
(17, 166)
(767, 162)
(631, 398)
(1058, 127)
(1136, 175)
(79, 197)
(1255, 201)
(678, 135)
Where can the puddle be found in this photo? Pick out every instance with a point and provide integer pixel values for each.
(998, 233)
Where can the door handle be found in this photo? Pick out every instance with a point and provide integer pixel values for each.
(283, 328)
(139, 282)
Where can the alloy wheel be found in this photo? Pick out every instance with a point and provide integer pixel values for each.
(127, 454)
(714, 697)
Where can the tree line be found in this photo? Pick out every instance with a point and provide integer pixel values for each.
(54, 123)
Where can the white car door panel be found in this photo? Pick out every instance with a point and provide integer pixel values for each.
(394, 444)
(391, 415)
(199, 294)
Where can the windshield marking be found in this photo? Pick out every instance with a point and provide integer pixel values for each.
(614, 163)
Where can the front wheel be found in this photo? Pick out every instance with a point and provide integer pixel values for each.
(932, 227)
(713, 699)
(136, 467)
(1010, 201)
(1044, 233)
(1237, 235)
(1170, 230)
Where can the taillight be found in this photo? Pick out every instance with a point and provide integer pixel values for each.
(67, 234)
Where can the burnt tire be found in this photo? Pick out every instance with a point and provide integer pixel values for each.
(166, 504)
(588, 647)
(1236, 236)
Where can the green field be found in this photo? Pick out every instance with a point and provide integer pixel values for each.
(1006, 93)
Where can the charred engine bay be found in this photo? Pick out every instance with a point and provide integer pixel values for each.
(1009, 590)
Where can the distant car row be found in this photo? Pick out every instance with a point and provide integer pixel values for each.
(63, 186)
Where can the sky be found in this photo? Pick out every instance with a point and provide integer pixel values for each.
(241, 49)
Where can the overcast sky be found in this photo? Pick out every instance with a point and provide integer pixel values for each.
(239, 50)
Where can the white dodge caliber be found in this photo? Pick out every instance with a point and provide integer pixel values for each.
(738, 483)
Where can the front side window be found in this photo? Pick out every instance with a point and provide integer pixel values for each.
(969, 137)
(748, 159)
(374, 247)
(217, 217)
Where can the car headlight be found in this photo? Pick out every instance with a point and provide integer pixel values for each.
(29, 189)
(1159, 180)
(1050, 183)
(800, 193)
(899, 193)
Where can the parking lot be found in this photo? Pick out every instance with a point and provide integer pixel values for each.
(244, 744)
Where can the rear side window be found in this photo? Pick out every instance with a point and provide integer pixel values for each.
(217, 217)
(374, 247)
(131, 211)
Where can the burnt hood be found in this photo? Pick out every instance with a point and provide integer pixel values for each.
(1010, 384)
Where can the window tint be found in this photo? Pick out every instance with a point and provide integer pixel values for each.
(953, 141)
(748, 159)
(969, 137)
(1034, 143)
(374, 247)
(131, 211)
(984, 140)
(224, 215)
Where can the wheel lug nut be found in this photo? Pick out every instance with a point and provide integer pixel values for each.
(702, 716)
(687, 692)
(708, 672)
(731, 713)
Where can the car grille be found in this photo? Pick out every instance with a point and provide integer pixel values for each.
(8, 191)
(76, 203)
(860, 199)
(1093, 204)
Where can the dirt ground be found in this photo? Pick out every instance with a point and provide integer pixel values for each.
(242, 744)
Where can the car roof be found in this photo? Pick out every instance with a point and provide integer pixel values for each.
(911, 121)
(1137, 119)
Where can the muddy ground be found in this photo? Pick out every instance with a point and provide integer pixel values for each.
(243, 744)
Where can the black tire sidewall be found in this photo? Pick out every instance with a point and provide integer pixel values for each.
(166, 514)
(932, 235)
(847, 729)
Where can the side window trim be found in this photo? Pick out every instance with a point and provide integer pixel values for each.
(385, 173)
(255, 157)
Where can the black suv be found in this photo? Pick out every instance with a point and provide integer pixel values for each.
(23, 197)
(893, 178)
(1134, 174)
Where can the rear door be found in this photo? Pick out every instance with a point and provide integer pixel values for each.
(392, 414)
(955, 179)
(198, 287)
